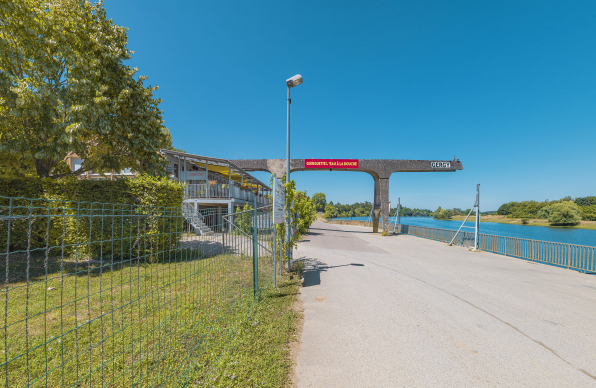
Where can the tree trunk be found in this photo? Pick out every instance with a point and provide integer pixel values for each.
(43, 167)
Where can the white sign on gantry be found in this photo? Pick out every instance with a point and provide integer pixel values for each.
(278, 201)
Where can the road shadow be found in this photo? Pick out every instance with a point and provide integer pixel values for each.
(314, 267)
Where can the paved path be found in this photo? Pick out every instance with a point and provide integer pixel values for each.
(402, 311)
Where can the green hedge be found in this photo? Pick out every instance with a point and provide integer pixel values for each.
(138, 217)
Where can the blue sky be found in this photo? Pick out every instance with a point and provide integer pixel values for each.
(507, 87)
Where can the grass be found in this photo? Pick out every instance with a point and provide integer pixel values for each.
(259, 355)
(125, 323)
(298, 267)
(531, 222)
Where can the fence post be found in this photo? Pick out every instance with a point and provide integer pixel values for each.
(255, 256)
(568, 256)
(505, 242)
(275, 255)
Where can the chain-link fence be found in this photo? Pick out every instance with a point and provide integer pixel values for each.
(121, 295)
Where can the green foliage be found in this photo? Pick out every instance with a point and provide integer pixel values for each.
(361, 209)
(319, 201)
(304, 207)
(172, 148)
(330, 211)
(64, 88)
(525, 220)
(588, 213)
(532, 209)
(443, 214)
(588, 207)
(407, 212)
(562, 213)
(524, 209)
(298, 267)
(244, 220)
(358, 209)
(585, 201)
(135, 213)
(303, 211)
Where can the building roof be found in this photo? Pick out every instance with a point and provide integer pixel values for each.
(220, 166)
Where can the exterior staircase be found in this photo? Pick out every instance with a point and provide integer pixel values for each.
(196, 220)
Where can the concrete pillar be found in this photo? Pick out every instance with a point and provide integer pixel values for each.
(381, 203)
(376, 204)
(384, 194)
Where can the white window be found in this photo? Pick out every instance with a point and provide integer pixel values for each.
(126, 171)
(76, 164)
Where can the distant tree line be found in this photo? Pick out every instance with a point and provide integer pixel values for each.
(584, 208)
(359, 209)
(446, 214)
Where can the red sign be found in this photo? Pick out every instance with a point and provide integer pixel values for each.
(330, 163)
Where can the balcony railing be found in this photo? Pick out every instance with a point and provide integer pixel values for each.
(222, 191)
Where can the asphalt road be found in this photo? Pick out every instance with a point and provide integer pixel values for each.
(402, 311)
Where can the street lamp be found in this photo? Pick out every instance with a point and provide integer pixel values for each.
(291, 82)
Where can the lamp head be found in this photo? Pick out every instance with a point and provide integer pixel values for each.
(294, 81)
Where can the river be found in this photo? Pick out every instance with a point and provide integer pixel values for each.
(564, 235)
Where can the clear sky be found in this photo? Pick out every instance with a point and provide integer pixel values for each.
(508, 87)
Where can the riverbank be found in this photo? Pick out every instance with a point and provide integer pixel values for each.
(531, 222)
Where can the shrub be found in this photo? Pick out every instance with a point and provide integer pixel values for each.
(244, 221)
(92, 218)
(330, 211)
(298, 267)
(563, 213)
(443, 214)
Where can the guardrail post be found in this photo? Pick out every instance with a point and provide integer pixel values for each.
(568, 256)
(255, 256)
(505, 242)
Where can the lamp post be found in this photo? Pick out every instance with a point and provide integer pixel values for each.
(291, 82)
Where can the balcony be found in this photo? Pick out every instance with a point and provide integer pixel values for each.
(223, 191)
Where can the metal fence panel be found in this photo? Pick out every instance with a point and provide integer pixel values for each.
(120, 295)
(576, 257)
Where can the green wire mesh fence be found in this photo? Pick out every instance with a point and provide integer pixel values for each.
(100, 294)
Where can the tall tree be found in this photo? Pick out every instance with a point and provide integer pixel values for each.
(563, 213)
(319, 201)
(64, 88)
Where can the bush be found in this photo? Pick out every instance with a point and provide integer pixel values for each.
(244, 221)
(330, 211)
(563, 213)
(91, 218)
(298, 267)
(525, 220)
(443, 214)
(588, 212)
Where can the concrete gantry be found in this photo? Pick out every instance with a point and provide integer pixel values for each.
(379, 169)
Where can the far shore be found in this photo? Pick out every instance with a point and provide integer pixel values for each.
(504, 220)
(531, 222)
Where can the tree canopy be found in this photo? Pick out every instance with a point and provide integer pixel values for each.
(443, 214)
(363, 209)
(532, 209)
(330, 211)
(64, 88)
(319, 200)
(562, 213)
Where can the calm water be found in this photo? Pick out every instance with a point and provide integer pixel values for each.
(564, 235)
